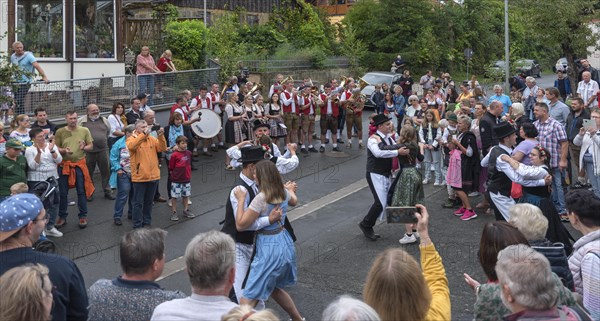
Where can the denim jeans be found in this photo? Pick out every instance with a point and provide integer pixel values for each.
(558, 195)
(146, 83)
(63, 185)
(143, 195)
(50, 205)
(594, 179)
(124, 193)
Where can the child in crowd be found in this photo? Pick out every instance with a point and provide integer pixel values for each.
(19, 188)
(429, 134)
(449, 131)
(180, 168)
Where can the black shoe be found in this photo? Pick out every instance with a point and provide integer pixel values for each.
(207, 153)
(110, 196)
(313, 150)
(118, 221)
(322, 149)
(303, 151)
(577, 186)
(340, 141)
(326, 140)
(214, 149)
(336, 149)
(91, 198)
(222, 147)
(368, 232)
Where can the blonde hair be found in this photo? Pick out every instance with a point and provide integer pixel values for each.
(270, 182)
(26, 287)
(19, 188)
(14, 124)
(408, 135)
(434, 121)
(246, 313)
(529, 220)
(396, 288)
(166, 53)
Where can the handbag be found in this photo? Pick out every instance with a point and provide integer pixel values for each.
(516, 190)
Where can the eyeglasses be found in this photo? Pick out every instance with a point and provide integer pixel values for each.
(46, 218)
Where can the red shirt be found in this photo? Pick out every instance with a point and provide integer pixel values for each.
(180, 166)
(162, 64)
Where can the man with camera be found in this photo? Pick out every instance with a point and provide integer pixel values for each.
(427, 81)
(145, 173)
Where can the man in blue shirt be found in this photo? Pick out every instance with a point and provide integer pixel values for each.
(504, 99)
(27, 62)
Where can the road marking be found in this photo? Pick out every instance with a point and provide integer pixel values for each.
(178, 264)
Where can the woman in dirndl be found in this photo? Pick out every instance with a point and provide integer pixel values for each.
(275, 118)
(408, 189)
(273, 266)
(248, 107)
(540, 196)
(236, 126)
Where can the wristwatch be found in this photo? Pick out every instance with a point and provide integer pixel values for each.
(52, 151)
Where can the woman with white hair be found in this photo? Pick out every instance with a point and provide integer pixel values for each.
(528, 287)
(530, 221)
(517, 111)
(349, 309)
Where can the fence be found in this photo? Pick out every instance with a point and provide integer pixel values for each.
(256, 66)
(57, 97)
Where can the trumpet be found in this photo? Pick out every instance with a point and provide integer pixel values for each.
(314, 90)
(363, 83)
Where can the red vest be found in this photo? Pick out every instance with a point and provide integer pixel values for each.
(183, 109)
(335, 110)
(305, 100)
(288, 108)
(207, 100)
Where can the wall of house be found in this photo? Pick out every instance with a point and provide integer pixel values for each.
(62, 70)
(3, 24)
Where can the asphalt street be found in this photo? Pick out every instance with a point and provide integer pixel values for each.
(333, 256)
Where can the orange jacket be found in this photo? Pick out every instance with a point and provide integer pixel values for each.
(144, 161)
(69, 169)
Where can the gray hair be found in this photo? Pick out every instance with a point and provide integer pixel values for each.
(528, 276)
(347, 308)
(139, 123)
(140, 248)
(208, 258)
(530, 79)
(129, 129)
(413, 97)
(498, 87)
(465, 120)
(529, 220)
(518, 109)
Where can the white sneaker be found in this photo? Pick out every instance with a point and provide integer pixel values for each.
(416, 234)
(53, 232)
(189, 201)
(437, 183)
(426, 181)
(408, 239)
(169, 203)
(432, 168)
(474, 194)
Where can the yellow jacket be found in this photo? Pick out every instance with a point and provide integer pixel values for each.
(144, 161)
(435, 276)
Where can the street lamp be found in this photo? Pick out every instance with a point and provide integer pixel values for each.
(506, 51)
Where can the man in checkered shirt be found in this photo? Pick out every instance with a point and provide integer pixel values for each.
(553, 137)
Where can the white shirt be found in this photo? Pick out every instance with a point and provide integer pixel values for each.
(587, 90)
(285, 163)
(373, 146)
(261, 221)
(291, 101)
(47, 166)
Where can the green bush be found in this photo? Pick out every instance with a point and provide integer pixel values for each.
(187, 40)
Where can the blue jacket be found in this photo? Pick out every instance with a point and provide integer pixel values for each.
(115, 160)
(567, 85)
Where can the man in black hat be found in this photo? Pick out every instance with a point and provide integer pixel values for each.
(261, 129)
(379, 169)
(244, 241)
(498, 182)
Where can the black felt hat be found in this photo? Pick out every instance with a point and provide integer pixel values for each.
(503, 129)
(252, 154)
(259, 123)
(380, 119)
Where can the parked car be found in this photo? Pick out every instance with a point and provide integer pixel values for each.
(528, 67)
(495, 70)
(562, 64)
(376, 77)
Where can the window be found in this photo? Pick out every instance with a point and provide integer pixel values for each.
(252, 19)
(94, 29)
(40, 27)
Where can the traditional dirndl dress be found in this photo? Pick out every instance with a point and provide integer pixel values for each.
(274, 262)
(235, 130)
(276, 129)
(454, 175)
(408, 189)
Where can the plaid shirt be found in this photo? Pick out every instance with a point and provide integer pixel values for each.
(550, 134)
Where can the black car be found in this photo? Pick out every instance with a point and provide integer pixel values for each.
(528, 67)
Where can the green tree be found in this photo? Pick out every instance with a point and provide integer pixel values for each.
(353, 48)
(261, 40)
(224, 44)
(187, 40)
(566, 24)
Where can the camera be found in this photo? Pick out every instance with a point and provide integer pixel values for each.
(155, 128)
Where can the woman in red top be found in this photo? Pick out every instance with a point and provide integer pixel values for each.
(165, 64)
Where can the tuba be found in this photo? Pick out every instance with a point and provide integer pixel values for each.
(256, 87)
(363, 83)
(343, 80)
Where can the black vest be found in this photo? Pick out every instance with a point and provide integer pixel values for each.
(246, 237)
(498, 182)
(381, 166)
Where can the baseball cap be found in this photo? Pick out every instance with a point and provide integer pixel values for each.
(14, 143)
(17, 211)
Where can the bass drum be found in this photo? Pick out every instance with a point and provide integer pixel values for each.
(208, 126)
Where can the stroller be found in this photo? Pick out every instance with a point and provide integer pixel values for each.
(46, 191)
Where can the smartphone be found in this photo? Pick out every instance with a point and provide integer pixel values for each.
(589, 124)
(155, 128)
(401, 214)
